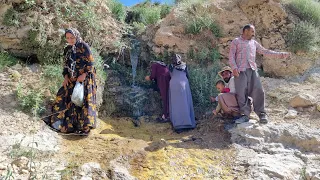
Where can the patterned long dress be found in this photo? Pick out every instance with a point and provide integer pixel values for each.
(67, 117)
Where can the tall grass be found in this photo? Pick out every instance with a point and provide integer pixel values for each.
(52, 76)
(7, 60)
(30, 100)
(204, 56)
(309, 10)
(304, 36)
(118, 10)
(99, 65)
(194, 25)
(202, 82)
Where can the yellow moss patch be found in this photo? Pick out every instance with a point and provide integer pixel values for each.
(175, 163)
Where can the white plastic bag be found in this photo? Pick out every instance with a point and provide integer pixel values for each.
(77, 95)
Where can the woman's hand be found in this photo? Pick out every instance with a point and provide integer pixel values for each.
(82, 77)
(66, 81)
(147, 78)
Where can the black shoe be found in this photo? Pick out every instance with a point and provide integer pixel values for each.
(161, 120)
(263, 118)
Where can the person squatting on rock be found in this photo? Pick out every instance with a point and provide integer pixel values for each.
(227, 102)
(78, 67)
(242, 59)
(160, 73)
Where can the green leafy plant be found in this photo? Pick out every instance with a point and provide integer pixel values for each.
(304, 36)
(7, 60)
(118, 10)
(309, 10)
(30, 100)
(165, 10)
(11, 18)
(204, 56)
(194, 25)
(202, 82)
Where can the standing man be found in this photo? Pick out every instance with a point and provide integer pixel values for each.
(242, 58)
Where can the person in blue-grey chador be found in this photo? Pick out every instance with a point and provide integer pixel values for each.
(180, 99)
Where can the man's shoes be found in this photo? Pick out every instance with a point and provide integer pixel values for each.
(242, 119)
(263, 118)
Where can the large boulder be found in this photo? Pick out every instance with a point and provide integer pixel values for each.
(302, 100)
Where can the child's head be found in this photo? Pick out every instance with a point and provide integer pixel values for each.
(220, 85)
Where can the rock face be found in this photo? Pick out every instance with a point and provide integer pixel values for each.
(269, 17)
(121, 99)
(302, 100)
(277, 151)
(34, 29)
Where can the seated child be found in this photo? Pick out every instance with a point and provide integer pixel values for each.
(222, 89)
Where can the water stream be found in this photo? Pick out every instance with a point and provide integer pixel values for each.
(134, 56)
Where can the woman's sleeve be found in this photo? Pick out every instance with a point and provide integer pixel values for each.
(153, 71)
(88, 58)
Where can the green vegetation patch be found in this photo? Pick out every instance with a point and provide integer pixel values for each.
(304, 37)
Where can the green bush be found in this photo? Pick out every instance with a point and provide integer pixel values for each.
(148, 14)
(52, 76)
(202, 83)
(118, 10)
(309, 10)
(7, 60)
(30, 101)
(304, 36)
(11, 18)
(205, 56)
(99, 65)
(194, 25)
(165, 10)
(138, 27)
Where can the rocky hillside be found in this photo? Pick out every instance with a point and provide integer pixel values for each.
(35, 27)
(273, 21)
(138, 148)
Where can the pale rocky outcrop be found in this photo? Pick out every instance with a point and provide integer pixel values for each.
(51, 25)
(277, 151)
(269, 17)
(302, 100)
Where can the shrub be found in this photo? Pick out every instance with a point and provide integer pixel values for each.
(194, 25)
(149, 13)
(138, 27)
(99, 65)
(118, 10)
(205, 56)
(304, 36)
(309, 10)
(11, 18)
(202, 83)
(30, 101)
(6, 60)
(165, 10)
(53, 77)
